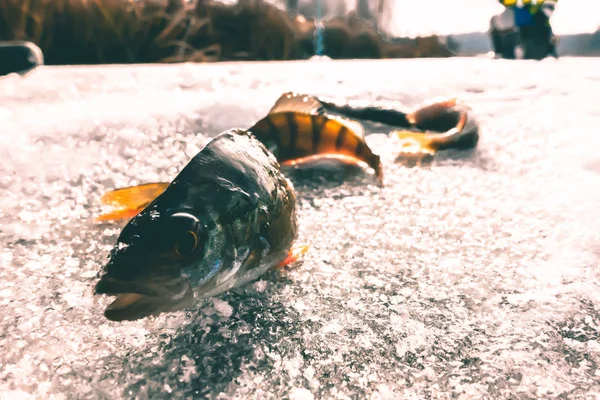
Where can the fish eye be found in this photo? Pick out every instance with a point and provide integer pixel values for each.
(185, 228)
(186, 243)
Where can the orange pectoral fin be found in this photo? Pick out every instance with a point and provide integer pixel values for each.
(122, 213)
(325, 158)
(131, 200)
(296, 252)
(134, 195)
(325, 161)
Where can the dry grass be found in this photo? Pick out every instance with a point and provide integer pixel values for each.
(103, 31)
(142, 31)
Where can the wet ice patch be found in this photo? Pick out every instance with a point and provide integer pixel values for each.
(301, 394)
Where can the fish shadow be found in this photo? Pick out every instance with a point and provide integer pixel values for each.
(200, 352)
(476, 157)
(443, 157)
(209, 352)
(469, 158)
(317, 180)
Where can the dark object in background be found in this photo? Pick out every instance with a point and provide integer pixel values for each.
(292, 6)
(19, 56)
(504, 42)
(535, 39)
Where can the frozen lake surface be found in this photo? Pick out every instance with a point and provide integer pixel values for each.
(474, 277)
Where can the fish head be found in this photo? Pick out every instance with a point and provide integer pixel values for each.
(144, 271)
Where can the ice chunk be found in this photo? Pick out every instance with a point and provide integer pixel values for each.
(301, 394)
(223, 307)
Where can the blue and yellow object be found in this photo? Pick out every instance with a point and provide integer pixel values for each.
(523, 16)
(524, 10)
(533, 6)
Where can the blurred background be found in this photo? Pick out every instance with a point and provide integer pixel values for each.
(412, 18)
(147, 31)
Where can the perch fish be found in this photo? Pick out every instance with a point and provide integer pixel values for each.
(439, 124)
(230, 214)
(227, 218)
(296, 130)
(299, 132)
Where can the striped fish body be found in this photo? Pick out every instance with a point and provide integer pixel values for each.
(439, 124)
(296, 137)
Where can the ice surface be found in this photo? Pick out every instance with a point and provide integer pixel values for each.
(474, 277)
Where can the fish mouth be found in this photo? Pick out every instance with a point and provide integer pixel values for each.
(135, 300)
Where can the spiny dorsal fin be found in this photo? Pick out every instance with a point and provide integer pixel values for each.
(306, 104)
(297, 102)
(134, 196)
(354, 126)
